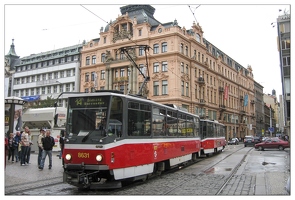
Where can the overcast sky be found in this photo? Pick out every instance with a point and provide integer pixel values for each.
(243, 32)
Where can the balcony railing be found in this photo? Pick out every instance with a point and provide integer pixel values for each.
(121, 79)
(221, 89)
(222, 107)
(202, 101)
(243, 112)
(201, 80)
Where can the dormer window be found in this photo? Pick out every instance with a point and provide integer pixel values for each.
(198, 37)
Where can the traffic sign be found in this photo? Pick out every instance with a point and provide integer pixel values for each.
(271, 129)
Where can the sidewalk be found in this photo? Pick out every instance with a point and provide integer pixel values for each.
(18, 177)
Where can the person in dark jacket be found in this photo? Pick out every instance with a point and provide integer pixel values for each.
(17, 139)
(61, 143)
(11, 146)
(47, 146)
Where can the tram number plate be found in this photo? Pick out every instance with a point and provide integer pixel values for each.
(83, 155)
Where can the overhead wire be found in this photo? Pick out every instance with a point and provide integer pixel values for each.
(94, 14)
(194, 11)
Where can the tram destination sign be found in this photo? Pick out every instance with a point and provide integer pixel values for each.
(82, 102)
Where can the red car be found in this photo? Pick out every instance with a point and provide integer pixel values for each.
(272, 143)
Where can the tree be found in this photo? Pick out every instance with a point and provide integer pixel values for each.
(46, 103)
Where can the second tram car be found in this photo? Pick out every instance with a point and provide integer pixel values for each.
(113, 138)
(212, 136)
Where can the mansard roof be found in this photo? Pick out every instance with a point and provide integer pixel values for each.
(142, 13)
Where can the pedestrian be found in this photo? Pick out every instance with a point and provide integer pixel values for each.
(6, 150)
(40, 145)
(17, 140)
(27, 130)
(48, 143)
(11, 147)
(61, 143)
(24, 147)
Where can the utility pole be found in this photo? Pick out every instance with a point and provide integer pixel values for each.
(270, 122)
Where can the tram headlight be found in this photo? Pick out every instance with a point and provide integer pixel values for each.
(68, 157)
(99, 157)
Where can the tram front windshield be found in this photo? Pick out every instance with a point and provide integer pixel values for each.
(88, 121)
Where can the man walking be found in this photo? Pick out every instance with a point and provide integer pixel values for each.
(48, 143)
(28, 155)
(24, 148)
(40, 146)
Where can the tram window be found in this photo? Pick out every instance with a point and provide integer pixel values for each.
(210, 129)
(204, 129)
(116, 117)
(158, 122)
(171, 123)
(196, 127)
(85, 120)
(189, 126)
(181, 125)
(145, 107)
(133, 105)
(138, 120)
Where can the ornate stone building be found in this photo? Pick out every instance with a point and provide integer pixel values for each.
(184, 68)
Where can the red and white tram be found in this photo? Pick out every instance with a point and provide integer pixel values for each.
(112, 138)
(213, 136)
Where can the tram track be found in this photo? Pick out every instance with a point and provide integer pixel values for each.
(227, 179)
(166, 173)
(233, 172)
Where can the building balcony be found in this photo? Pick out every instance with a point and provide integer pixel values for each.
(241, 97)
(202, 101)
(221, 89)
(252, 102)
(222, 107)
(243, 112)
(200, 80)
(121, 79)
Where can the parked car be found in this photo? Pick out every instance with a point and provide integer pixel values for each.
(257, 140)
(249, 141)
(272, 143)
(233, 141)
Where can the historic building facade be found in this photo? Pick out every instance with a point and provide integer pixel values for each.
(284, 47)
(48, 74)
(184, 68)
(259, 109)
